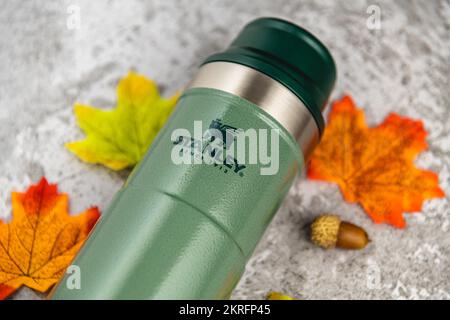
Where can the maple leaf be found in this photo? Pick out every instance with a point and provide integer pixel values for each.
(120, 137)
(5, 291)
(273, 295)
(374, 166)
(41, 239)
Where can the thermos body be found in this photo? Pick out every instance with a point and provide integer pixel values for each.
(186, 230)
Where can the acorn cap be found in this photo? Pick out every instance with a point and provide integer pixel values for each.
(325, 230)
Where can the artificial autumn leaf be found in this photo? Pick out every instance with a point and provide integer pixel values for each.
(278, 296)
(41, 239)
(119, 138)
(5, 291)
(374, 166)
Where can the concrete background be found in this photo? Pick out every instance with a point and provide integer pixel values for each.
(45, 66)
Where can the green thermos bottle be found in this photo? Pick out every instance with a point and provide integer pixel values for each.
(191, 213)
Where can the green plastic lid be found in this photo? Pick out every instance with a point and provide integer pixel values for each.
(290, 55)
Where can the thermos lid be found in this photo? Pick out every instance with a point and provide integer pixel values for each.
(290, 55)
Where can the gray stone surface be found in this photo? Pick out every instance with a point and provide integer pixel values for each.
(402, 67)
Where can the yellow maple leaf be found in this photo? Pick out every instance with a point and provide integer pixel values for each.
(120, 137)
(41, 240)
(273, 295)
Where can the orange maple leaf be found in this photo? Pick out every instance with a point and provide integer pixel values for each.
(374, 166)
(41, 239)
(5, 291)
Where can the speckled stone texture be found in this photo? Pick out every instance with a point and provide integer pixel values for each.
(403, 67)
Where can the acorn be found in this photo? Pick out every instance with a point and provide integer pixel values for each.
(328, 231)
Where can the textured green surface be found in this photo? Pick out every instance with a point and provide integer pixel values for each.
(185, 231)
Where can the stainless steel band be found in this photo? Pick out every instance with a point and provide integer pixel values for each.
(268, 94)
